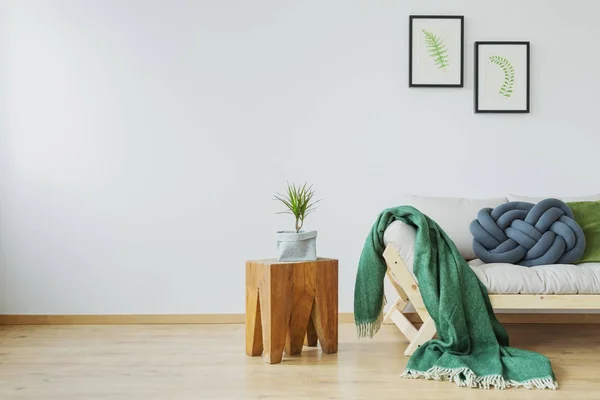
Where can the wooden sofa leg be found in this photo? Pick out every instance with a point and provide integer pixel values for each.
(397, 305)
(408, 290)
(405, 326)
(424, 334)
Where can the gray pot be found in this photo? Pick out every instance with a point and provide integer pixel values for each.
(292, 246)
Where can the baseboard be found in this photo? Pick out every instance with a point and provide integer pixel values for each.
(134, 319)
(150, 319)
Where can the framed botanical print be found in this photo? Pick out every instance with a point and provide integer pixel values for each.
(436, 50)
(502, 77)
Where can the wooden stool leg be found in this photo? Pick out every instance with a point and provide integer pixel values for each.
(302, 305)
(275, 295)
(325, 310)
(254, 344)
(311, 334)
(301, 310)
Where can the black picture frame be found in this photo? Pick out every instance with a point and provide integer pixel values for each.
(526, 110)
(410, 51)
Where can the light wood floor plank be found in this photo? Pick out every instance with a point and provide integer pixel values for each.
(127, 362)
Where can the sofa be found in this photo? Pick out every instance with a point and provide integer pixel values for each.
(510, 286)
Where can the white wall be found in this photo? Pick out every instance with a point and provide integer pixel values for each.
(140, 141)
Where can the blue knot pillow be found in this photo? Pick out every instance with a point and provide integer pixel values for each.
(526, 234)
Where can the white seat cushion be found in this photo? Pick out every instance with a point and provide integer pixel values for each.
(499, 278)
(503, 278)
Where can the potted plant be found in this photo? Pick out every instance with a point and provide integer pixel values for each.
(297, 245)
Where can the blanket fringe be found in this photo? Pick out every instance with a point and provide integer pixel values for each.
(369, 329)
(464, 377)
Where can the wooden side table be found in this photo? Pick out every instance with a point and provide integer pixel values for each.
(289, 304)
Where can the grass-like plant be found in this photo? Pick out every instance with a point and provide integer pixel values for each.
(298, 201)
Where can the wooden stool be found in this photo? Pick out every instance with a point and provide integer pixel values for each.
(289, 304)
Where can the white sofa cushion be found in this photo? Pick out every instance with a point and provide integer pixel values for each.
(503, 278)
(530, 199)
(542, 279)
(454, 215)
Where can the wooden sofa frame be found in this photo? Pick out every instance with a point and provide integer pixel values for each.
(408, 293)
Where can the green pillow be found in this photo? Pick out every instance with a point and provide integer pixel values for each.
(587, 215)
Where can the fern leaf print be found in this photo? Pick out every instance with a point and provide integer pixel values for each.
(437, 50)
(509, 74)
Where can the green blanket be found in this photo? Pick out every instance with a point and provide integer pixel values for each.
(472, 346)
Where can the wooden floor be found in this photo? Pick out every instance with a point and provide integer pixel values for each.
(171, 362)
